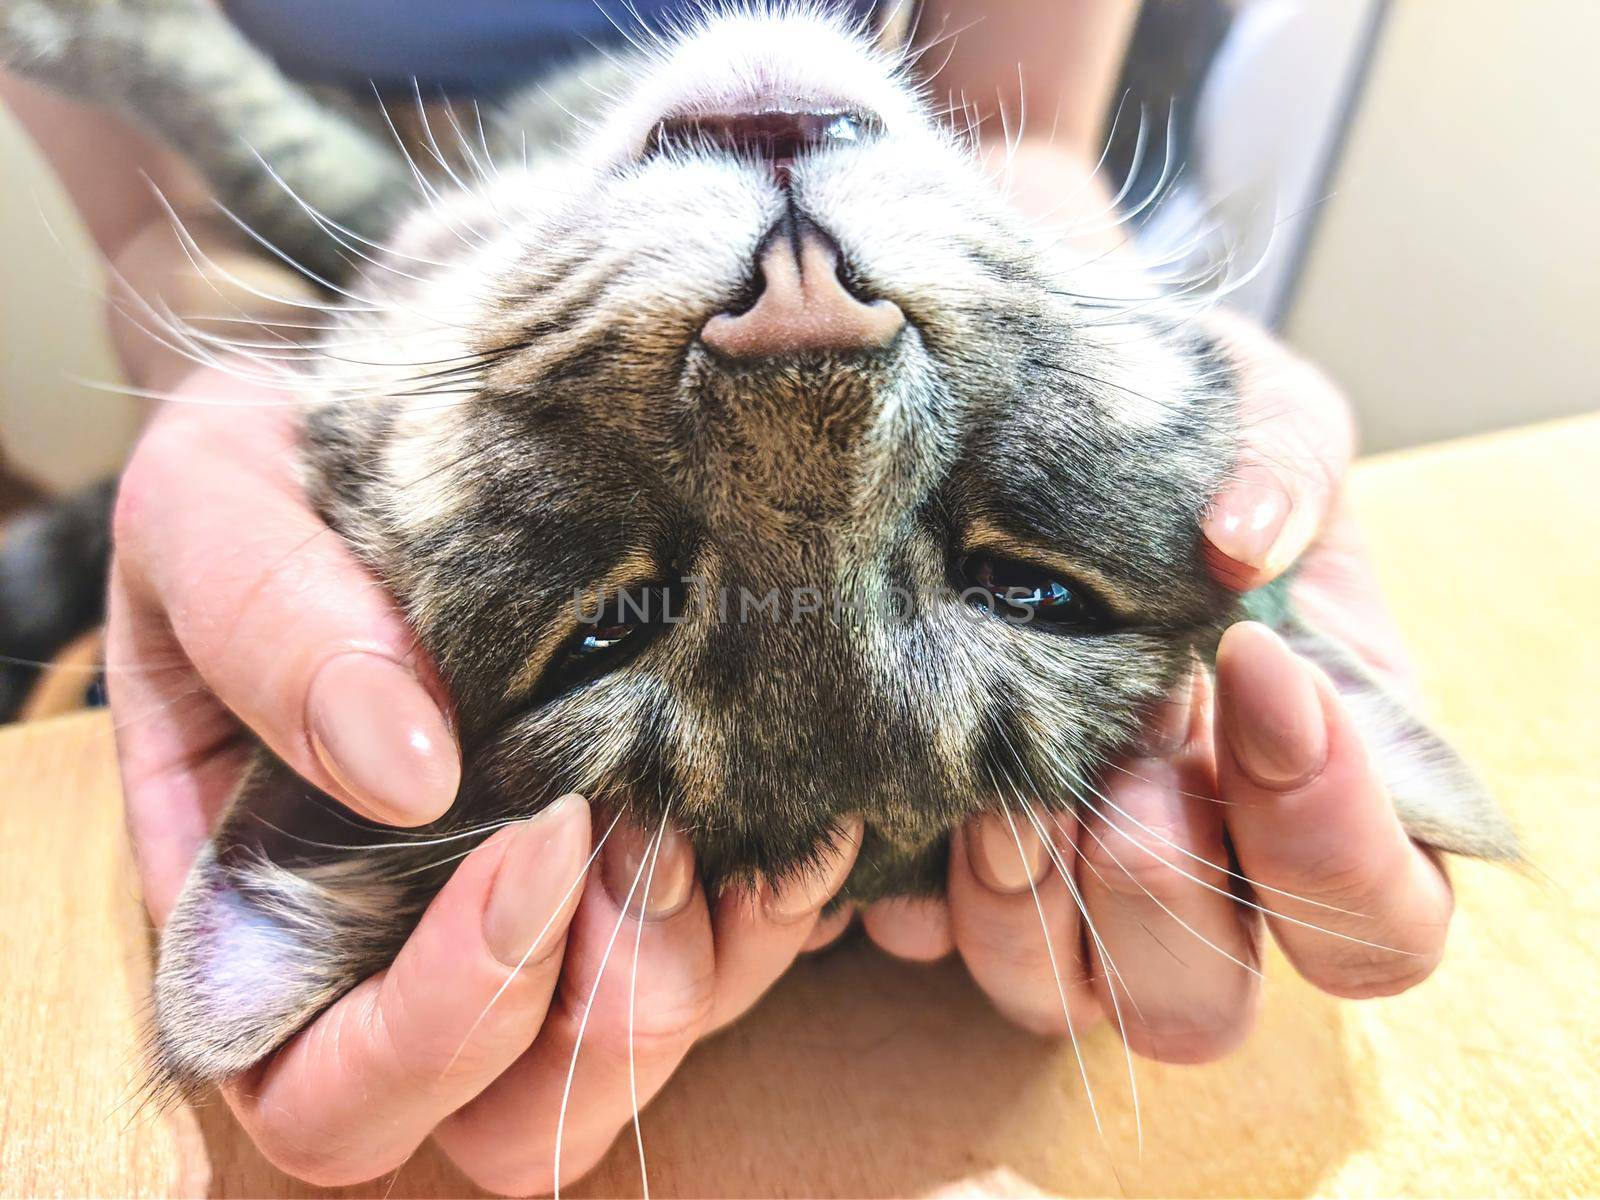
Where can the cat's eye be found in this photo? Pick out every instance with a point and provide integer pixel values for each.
(1026, 593)
(620, 619)
(603, 638)
(609, 632)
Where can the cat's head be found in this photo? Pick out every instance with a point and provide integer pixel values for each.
(769, 359)
(749, 465)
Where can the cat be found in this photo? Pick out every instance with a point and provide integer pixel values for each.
(740, 458)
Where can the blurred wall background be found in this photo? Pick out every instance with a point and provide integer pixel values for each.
(52, 333)
(1452, 281)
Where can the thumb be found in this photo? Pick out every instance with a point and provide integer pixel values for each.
(279, 620)
(1296, 440)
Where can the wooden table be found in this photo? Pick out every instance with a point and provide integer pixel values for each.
(863, 1077)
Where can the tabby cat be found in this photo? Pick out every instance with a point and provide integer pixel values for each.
(741, 459)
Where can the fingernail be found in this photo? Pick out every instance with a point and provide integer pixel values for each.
(1167, 728)
(543, 858)
(1246, 522)
(1007, 856)
(380, 735)
(625, 869)
(1271, 710)
(790, 900)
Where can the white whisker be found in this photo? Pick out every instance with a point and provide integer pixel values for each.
(1221, 891)
(577, 882)
(633, 996)
(1061, 988)
(583, 1025)
(1084, 825)
(1114, 978)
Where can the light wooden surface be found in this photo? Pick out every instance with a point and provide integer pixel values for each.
(863, 1077)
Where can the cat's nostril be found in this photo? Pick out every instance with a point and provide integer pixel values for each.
(803, 303)
(777, 136)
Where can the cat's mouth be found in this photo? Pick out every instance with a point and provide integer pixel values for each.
(775, 133)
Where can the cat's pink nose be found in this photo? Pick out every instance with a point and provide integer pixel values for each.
(803, 304)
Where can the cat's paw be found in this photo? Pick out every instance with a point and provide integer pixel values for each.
(61, 43)
(37, 33)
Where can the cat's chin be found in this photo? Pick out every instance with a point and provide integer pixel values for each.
(766, 64)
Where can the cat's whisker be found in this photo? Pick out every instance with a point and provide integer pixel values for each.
(343, 236)
(628, 37)
(438, 155)
(430, 194)
(1114, 983)
(430, 143)
(1065, 871)
(583, 1025)
(1135, 164)
(1088, 829)
(1187, 795)
(578, 881)
(210, 270)
(157, 328)
(374, 847)
(1190, 854)
(144, 309)
(1061, 987)
(480, 171)
(1105, 150)
(633, 996)
(1170, 169)
(1275, 914)
(199, 692)
(1064, 868)
(332, 808)
(483, 140)
(580, 122)
(289, 260)
(66, 668)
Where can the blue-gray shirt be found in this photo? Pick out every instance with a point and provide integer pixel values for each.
(466, 47)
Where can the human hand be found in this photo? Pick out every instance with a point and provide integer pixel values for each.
(233, 606)
(1148, 919)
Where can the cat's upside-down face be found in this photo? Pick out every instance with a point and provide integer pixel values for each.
(750, 467)
(812, 521)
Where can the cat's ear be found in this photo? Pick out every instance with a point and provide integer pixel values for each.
(267, 933)
(1440, 799)
(234, 980)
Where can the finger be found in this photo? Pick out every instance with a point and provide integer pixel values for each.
(636, 991)
(178, 750)
(279, 620)
(1296, 439)
(1175, 954)
(758, 933)
(1015, 921)
(829, 928)
(912, 928)
(355, 1094)
(1357, 907)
